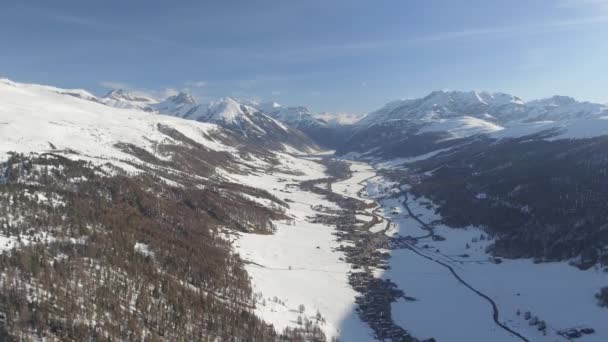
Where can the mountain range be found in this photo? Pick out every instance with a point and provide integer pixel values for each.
(164, 208)
(447, 131)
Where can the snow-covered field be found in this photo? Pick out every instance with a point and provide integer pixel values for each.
(559, 294)
(350, 187)
(297, 265)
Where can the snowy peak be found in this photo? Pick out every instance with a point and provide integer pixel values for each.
(238, 116)
(297, 117)
(120, 98)
(183, 98)
(182, 105)
(229, 111)
(252, 124)
(121, 94)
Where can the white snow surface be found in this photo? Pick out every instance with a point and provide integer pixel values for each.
(463, 114)
(36, 118)
(297, 264)
(567, 129)
(502, 107)
(462, 127)
(445, 309)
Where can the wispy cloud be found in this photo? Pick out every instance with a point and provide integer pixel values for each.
(122, 31)
(100, 26)
(498, 32)
(71, 19)
(197, 84)
(593, 4)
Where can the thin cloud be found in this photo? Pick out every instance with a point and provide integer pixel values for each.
(197, 84)
(71, 19)
(113, 85)
(594, 4)
(466, 34)
(126, 33)
(97, 25)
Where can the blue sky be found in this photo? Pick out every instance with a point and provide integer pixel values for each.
(331, 55)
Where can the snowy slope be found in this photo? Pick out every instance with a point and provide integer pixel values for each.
(231, 112)
(566, 129)
(36, 118)
(445, 309)
(42, 118)
(462, 126)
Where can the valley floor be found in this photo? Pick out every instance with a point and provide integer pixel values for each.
(449, 284)
(298, 264)
(446, 309)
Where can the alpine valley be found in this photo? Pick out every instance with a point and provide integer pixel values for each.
(459, 216)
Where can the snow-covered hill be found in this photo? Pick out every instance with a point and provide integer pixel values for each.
(40, 118)
(78, 120)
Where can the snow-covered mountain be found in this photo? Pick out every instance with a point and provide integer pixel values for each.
(247, 119)
(233, 113)
(151, 197)
(299, 117)
(67, 119)
(250, 122)
(499, 108)
(325, 134)
(181, 105)
(444, 116)
(120, 98)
